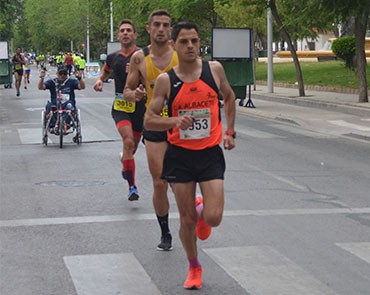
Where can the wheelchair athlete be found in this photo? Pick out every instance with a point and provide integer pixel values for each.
(66, 85)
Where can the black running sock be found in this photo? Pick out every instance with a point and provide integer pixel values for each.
(163, 223)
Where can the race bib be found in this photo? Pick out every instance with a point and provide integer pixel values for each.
(201, 126)
(123, 105)
(164, 112)
(18, 67)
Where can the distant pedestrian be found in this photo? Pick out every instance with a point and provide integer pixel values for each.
(26, 68)
(18, 62)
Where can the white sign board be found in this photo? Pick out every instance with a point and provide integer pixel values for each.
(113, 47)
(228, 43)
(4, 53)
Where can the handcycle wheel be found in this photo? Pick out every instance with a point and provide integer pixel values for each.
(44, 130)
(78, 137)
(61, 130)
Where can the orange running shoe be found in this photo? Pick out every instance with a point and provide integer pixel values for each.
(194, 279)
(203, 230)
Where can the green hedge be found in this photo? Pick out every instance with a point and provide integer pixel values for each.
(345, 48)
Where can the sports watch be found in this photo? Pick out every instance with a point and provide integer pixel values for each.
(231, 133)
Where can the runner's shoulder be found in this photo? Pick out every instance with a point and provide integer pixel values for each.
(138, 57)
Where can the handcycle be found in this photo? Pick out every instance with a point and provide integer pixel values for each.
(55, 121)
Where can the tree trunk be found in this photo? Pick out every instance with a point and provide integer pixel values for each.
(285, 35)
(360, 33)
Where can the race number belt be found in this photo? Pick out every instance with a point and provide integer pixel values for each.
(122, 105)
(201, 127)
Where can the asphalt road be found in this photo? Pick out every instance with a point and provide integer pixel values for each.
(296, 221)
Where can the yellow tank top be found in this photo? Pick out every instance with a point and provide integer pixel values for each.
(152, 72)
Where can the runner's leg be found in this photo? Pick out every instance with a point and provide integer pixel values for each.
(155, 153)
(184, 194)
(213, 201)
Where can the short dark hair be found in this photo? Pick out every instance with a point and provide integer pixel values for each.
(127, 21)
(62, 70)
(158, 12)
(182, 25)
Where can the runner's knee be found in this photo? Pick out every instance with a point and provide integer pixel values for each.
(188, 222)
(160, 185)
(213, 218)
(129, 144)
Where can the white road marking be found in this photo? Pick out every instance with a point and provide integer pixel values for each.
(361, 250)
(256, 133)
(305, 132)
(175, 215)
(30, 135)
(296, 185)
(35, 109)
(263, 270)
(90, 133)
(34, 135)
(343, 123)
(281, 179)
(109, 274)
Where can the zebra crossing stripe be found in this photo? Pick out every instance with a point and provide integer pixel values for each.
(175, 215)
(361, 250)
(263, 270)
(34, 135)
(109, 274)
(30, 135)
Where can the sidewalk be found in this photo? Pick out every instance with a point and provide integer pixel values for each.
(334, 101)
(333, 112)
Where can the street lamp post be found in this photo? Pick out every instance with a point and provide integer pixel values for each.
(270, 72)
(111, 21)
(88, 40)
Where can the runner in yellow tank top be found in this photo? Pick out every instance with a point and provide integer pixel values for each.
(158, 58)
(152, 72)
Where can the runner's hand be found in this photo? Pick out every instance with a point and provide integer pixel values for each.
(140, 93)
(229, 142)
(98, 86)
(184, 122)
(42, 73)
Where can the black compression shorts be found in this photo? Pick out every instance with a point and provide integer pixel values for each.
(183, 165)
(136, 119)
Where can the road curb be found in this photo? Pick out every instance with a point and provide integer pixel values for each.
(312, 103)
(336, 89)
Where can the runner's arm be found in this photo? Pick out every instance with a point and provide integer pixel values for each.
(229, 103)
(104, 75)
(153, 119)
(41, 84)
(81, 83)
(131, 91)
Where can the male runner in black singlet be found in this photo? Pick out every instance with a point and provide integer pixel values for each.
(127, 115)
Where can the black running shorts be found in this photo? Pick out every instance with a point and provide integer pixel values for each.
(183, 165)
(154, 136)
